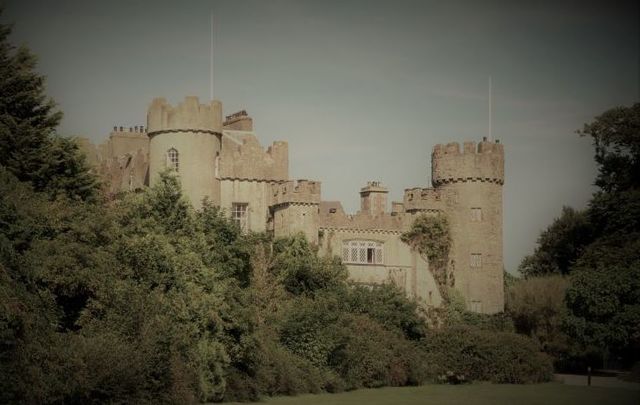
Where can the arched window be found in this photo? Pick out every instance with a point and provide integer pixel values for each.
(173, 160)
(362, 252)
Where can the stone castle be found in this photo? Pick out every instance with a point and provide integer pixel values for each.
(222, 160)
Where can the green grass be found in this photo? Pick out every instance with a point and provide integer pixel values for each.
(551, 393)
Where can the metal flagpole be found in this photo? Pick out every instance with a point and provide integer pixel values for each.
(490, 112)
(211, 63)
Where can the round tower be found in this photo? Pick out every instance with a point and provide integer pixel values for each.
(186, 138)
(470, 182)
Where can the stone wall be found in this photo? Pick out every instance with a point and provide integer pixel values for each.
(401, 266)
(242, 157)
(469, 183)
(194, 131)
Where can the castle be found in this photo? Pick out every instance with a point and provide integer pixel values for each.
(222, 160)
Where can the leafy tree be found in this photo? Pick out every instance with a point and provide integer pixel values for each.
(559, 245)
(537, 307)
(604, 300)
(29, 147)
(616, 139)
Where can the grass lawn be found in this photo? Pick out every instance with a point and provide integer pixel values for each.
(550, 393)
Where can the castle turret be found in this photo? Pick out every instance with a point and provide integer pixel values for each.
(469, 182)
(186, 138)
(373, 199)
(294, 208)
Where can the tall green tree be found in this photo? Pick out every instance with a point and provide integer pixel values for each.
(29, 145)
(560, 245)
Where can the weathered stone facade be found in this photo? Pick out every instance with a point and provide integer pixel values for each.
(223, 161)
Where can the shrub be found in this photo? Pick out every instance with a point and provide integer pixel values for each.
(367, 355)
(475, 354)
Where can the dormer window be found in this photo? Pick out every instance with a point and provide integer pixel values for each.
(173, 159)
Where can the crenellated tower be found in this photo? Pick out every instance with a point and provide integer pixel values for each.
(469, 182)
(186, 138)
(294, 208)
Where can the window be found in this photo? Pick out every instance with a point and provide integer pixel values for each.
(476, 306)
(475, 260)
(476, 214)
(239, 215)
(173, 161)
(362, 252)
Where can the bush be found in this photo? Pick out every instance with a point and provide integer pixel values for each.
(369, 356)
(475, 354)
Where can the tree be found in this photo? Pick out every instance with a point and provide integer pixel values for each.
(616, 139)
(559, 245)
(29, 146)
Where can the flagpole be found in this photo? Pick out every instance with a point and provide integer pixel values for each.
(490, 108)
(211, 63)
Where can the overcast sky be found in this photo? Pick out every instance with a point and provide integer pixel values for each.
(361, 90)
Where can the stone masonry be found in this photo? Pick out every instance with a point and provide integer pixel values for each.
(222, 160)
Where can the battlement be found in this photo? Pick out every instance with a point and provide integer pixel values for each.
(189, 116)
(482, 162)
(373, 186)
(300, 191)
(422, 199)
(243, 157)
(136, 130)
(238, 121)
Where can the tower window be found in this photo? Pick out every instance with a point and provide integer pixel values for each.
(239, 215)
(475, 260)
(362, 252)
(476, 214)
(173, 160)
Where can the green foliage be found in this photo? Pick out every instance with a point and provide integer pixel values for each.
(430, 236)
(616, 140)
(454, 313)
(604, 299)
(473, 354)
(559, 245)
(29, 148)
(598, 248)
(301, 271)
(368, 355)
(537, 307)
(389, 306)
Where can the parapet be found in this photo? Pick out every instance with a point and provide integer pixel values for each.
(422, 199)
(300, 191)
(189, 116)
(373, 187)
(483, 162)
(239, 121)
(243, 157)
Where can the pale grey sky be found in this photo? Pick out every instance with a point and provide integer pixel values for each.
(361, 90)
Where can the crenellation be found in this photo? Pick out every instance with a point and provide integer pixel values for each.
(225, 162)
(296, 191)
(484, 162)
(186, 116)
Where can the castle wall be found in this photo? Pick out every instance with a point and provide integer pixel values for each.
(295, 208)
(296, 217)
(242, 157)
(255, 193)
(470, 185)
(401, 266)
(194, 130)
